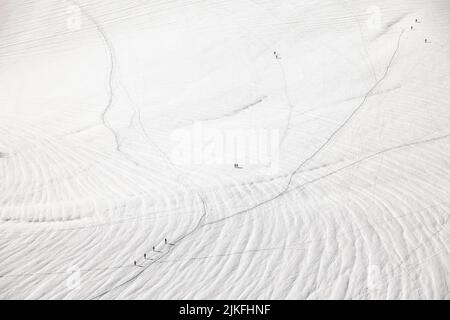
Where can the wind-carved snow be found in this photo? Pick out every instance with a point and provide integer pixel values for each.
(351, 203)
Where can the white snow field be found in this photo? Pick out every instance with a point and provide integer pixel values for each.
(109, 111)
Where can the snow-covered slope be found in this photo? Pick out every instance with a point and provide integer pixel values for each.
(103, 103)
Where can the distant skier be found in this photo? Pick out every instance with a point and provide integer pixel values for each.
(135, 263)
(165, 241)
(276, 55)
(153, 248)
(426, 40)
(145, 256)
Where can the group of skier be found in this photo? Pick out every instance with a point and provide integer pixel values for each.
(154, 250)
